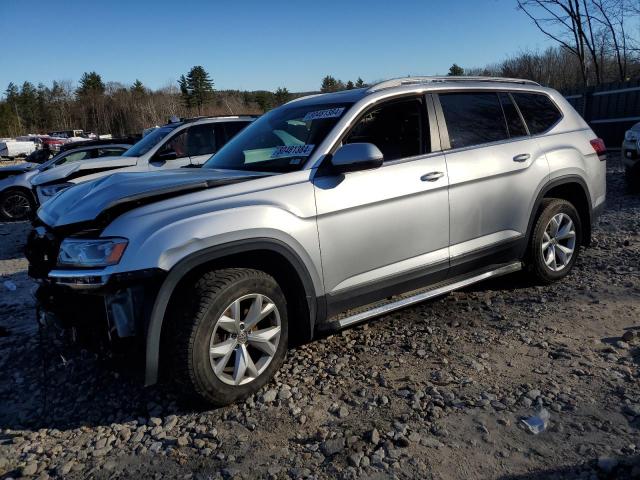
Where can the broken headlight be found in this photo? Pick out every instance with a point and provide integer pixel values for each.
(79, 252)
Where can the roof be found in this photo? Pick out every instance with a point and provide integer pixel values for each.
(410, 84)
(213, 119)
(398, 82)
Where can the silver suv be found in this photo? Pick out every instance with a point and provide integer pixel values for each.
(323, 213)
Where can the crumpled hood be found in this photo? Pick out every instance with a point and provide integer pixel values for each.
(86, 201)
(69, 170)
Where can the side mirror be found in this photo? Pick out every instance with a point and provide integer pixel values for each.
(164, 156)
(353, 157)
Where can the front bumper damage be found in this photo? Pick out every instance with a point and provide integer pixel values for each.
(95, 308)
(100, 309)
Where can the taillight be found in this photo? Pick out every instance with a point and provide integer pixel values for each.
(600, 148)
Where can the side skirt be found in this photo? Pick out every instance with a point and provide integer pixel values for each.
(418, 296)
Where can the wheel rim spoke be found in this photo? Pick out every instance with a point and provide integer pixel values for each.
(262, 339)
(223, 351)
(228, 324)
(253, 315)
(244, 366)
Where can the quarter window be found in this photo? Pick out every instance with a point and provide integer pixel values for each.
(395, 128)
(473, 118)
(538, 111)
(514, 121)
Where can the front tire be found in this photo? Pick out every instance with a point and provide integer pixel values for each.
(231, 334)
(16, 205)
(556, 239)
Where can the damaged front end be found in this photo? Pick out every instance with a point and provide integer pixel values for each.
(104, 312)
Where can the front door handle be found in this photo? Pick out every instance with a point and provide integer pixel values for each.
(523, 157)
(431, 176)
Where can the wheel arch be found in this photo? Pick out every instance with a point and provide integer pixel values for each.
(574, 189)
(270, 255)
(20, 188)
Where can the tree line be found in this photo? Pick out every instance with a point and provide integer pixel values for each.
(595, 41)
(113, 107)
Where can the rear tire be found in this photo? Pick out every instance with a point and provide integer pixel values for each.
(556, 240)
(229, 335)
(16, 205)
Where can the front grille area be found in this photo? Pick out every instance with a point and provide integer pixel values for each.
(41, 251)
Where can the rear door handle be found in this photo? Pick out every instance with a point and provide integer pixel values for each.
(523, 157)
(431, 176)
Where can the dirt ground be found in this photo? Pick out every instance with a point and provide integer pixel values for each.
(434, 391)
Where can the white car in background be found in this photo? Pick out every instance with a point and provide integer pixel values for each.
(13, 148)
(187, 143)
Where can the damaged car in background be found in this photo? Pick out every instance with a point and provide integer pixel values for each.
(323, 213)
(184, 143)
(17, 199)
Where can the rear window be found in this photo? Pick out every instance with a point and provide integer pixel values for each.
(539, 112)
(473, 118)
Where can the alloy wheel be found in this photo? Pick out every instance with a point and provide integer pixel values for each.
(558, 242)
(16, 206)
(245, 339)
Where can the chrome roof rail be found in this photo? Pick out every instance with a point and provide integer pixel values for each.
(399, 82)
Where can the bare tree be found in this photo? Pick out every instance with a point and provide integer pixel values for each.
(594, 31)
(568, 23)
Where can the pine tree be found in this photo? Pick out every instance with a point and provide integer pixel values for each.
(196, 88)
(28, 104)
(138, 88)
(455, 71)
(350, 85)
(184, 91)
(281, 96)
(263, 100)
(91, 85)
(330, 84)
(12, 122)
(360, 83)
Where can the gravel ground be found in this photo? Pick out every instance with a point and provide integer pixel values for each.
(434, 391)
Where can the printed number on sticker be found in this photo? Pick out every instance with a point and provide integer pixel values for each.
(292, 151)
(320, 114)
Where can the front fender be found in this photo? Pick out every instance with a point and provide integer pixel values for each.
(154, 324)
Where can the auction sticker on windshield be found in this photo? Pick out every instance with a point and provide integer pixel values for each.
(321, 114)
(292, 151)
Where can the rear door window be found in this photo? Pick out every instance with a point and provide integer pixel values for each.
(538, 111)
(473, 118)
(396, 128)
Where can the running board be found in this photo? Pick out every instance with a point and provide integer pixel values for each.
(421, 297)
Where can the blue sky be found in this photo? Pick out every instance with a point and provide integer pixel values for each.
(248, 44)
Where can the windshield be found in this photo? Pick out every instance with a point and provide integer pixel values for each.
(149, 141)
(279, 141)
